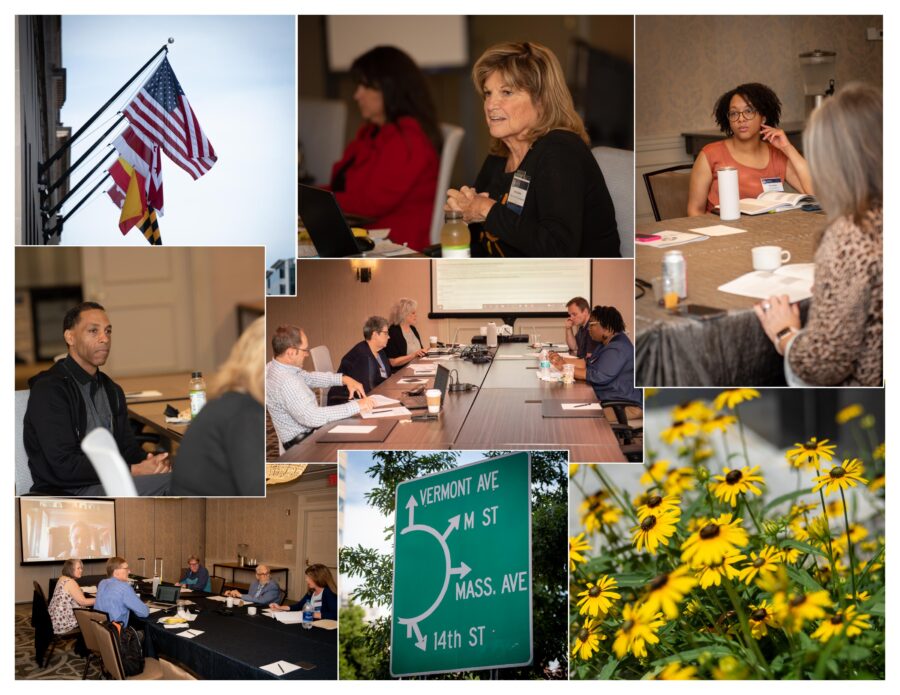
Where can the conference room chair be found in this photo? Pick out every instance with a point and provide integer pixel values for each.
(629, 431)
(114, 473)
(453, 136)
(668, 191)
(216, 584)
(154, 669)
(23, 473)
(282, 595)
(321, 124)
(618, 172)
(85, 616)
(274, 449)
(321, 359)
(45, 639)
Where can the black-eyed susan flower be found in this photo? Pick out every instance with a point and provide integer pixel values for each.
(678, 480)
(861, 597)
(766, 561)
(711, 574)
(851, 412)
(674, 671)
(794, 610)
(877, 483)
(834, 508)
(808, 454)
(638, 629)
(654, 531)
(730, 668)
(850, 622)
(587, 639)
(761, 618)
(680, 430)
(842, 477)
(598, 597)
(733, 397)
(666, 591)
(577, 545)
(692, 410)
(659, 505)
(719, 423)
(736, 481)
(713, 541)
(655, 473)
(878, 454)
(596, 511)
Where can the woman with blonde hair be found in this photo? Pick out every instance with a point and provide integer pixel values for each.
(842, 342)
(540, 192)
(223, 451)
(322, 594)
(404, 342)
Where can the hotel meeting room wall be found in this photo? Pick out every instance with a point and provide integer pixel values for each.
(454, 95)
(331, 304)
(677, 81)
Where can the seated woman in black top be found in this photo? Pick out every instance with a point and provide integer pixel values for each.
(367, 361)
(404, 343)
(322, 594)
(540, 193)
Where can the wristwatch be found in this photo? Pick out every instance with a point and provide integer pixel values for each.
(783, 333)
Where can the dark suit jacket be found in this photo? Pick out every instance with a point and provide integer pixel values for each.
(397, 346)
(360, 364)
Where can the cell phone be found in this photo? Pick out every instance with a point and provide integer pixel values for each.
(638, 236)
(423, 418)
(701, 312)
(418, 391)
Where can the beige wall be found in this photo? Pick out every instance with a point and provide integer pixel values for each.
(683, 64)
(331, 305)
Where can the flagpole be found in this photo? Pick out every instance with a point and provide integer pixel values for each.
(78, 185)
(53, 186)
(45, 166)
(58, 227)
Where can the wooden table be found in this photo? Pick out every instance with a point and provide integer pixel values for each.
(152, 415)
(171, 386)
(729, 351)
(503, 412)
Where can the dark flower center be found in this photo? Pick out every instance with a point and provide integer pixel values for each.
(627, 625)
(648, 523)
(659, 582)
(654, 501)
(837, 472)
(810, 445)
(759, 562)
(837, 619)
(594, 591)
(733, 477)
(759, 615)
(678, 424)
(583, 634)
(709, 531)
(797, 601)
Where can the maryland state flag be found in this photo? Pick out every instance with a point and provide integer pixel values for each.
(129, 192)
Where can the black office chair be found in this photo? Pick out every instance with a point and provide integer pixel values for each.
(216, 584)
(629, 432)
(44, 638)
(668, 191)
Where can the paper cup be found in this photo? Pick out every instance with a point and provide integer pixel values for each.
(229, 602)
(433, 341)
(251, 610)
(433, 398)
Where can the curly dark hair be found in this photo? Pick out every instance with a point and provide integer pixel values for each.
(608, 317)
(403, 86)
(760, 97)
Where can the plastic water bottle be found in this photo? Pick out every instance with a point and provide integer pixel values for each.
(455, 236)
(545, 363)
(197, 391)
(307, 615)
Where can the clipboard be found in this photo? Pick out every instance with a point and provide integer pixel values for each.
(383, 427)
(554, 408)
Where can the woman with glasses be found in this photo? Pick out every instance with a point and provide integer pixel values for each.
(196, 576)
(321, 594)
(760, 151)
(367, 361)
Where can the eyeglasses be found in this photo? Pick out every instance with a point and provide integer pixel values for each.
(125, 567)
(747, 113)
(194, 564)
(261, 574)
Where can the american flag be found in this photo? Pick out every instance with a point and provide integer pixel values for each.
(161, 112)
(143, 154)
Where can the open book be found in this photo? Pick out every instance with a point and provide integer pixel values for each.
(774, 201)
(794, 280)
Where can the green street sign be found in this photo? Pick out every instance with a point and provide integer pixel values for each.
(462, 569)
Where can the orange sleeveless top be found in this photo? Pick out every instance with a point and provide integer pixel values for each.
(749, 183)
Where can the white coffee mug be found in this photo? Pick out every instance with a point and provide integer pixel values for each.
(229, 602)
(251, 610)
(769, 257)
(483, 330)
(433, 398)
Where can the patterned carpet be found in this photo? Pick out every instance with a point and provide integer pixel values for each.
(64, 663)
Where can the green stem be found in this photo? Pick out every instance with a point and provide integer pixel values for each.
(745, 627)
(743, 439)
(752, 515)
(830, 551)
(849, 547)
(612, 491)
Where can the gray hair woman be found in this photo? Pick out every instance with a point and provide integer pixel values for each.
(367, 361)
(404, 342)
(66, 596)
(842, 342)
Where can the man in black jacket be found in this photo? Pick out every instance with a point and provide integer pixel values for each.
(72, 398)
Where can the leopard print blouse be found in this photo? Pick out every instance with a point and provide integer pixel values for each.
(841, 343)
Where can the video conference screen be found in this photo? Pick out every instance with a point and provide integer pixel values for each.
(53, 529)
(505, 286)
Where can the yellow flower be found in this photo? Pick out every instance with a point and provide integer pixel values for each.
(679, 431)
(711, 543)
(573, 469)
(674, 671)
(596, 511)
(655, 473)
(877, 482)
(658, 505)
(668, 590)
(834, 508)
(654, 531)
(587, 639)
(809, 454)
(598, 597)
(879, 452)
(851, 412)
(732, 397)
(767, 561)
(736, 481)
(761, 618)
(868, 422)
(841, 477)
(577, 545)
(861, 597)
(711, 574)
(850, 622)
(678, 480)
(794, 610)
(649, 392)
(692, 410)
(638, 629)
(720, 423)
(730, 669)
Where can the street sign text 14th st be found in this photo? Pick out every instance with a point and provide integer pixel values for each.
(462, 569)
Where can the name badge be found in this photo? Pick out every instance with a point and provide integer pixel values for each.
(772, 184)
(515, 200)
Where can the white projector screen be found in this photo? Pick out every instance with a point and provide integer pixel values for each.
(54, 529)
(507, 286)
(433, 41)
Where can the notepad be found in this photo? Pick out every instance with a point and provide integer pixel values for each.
(581, 406)
(379, 401)
(279, 668)
(385, 412)
(352, 429)
(718, 230)
(794, 280)
(190, 634)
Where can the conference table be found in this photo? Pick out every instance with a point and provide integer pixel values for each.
(503, 410)
(149, 409)
(730, 350)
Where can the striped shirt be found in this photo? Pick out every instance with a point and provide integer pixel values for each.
(292, 404)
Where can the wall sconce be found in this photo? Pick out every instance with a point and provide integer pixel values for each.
(363, 269)
(363, 274)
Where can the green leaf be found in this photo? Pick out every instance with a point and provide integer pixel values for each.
(805, 547)
(631, 580)
(693, 655)
(804, 580)
(607, 671)
(786, 498)
(855, 653)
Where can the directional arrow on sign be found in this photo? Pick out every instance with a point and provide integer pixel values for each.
(421, 642)
(454, 524)
(462, 570)
(411, 506)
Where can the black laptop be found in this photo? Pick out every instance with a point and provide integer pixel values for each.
(327, 227)
(167, 595)
(441, 380)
